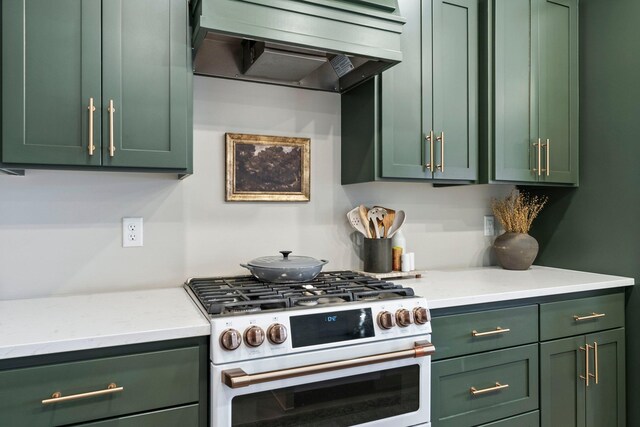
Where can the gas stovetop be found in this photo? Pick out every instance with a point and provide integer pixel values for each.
(246, 294)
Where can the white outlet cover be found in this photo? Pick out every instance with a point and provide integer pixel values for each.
(489, 225)
(132, 232)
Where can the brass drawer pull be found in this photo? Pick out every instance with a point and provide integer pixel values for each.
(57, 397)
(441, 139)
(429, 138)
(496, 331)
(92, 110)
(539, 161)
(111, 109)
(474, 391)
(587, 374)
(595, 362)
(589, 317)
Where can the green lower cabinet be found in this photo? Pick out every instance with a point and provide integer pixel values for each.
(419, 119)
(481, 388)
(95, 84)
(186, 416)
(532, 419)
(140, 382)
(566, 399)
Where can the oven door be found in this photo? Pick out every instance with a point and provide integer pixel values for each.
(353, 385)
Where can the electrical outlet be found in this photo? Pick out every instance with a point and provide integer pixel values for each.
(489, 225)
(131, 232)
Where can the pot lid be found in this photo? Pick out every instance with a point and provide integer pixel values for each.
(286, 261)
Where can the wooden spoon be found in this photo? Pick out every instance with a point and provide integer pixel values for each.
(388, 220)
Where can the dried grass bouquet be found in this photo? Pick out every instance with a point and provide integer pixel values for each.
(517, 211)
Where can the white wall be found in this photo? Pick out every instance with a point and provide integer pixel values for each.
(60, 231)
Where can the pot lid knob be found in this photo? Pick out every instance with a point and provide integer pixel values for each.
(285, 254)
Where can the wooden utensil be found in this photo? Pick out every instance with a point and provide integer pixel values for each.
(354, 219)
(362, 211)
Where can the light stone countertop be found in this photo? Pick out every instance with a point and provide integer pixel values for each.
(454, 288)
(37, 326)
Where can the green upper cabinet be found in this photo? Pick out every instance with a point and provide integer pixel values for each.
(61, 58)
(50, 71)
(530, 91)
(419, 119)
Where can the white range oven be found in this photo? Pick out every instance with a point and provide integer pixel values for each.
(342, 350)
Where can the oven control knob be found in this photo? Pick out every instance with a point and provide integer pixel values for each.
(386, 320)
(421, 315)
(403, 317)
(277, 333)
(254, 336)
(230, 339)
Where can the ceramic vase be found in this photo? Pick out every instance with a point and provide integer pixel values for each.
(515, 251)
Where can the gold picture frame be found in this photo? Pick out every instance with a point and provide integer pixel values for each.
(267, 168)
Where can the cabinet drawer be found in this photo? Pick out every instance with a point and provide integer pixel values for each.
(505, 383)
(532, 419)
(581, 316)
(185, 416)
(475, 332)
(150, 381)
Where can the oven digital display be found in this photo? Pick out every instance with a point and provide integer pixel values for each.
(335, 326)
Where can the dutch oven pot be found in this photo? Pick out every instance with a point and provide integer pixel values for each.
(285, 268)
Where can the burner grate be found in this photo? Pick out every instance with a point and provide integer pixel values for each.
(242, 294)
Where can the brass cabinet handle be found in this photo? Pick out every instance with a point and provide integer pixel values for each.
(497, 330)
(539, 145)
(57, 397)
(441, 165)
(588, 317)
(429, 138)
(586, 364)
(474, 391)
(112, 147)
(595, 360)
(92, 110)
(548, 151)
(236, 378)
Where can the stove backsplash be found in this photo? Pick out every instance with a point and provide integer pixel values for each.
(61, 230)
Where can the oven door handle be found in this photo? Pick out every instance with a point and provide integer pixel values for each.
(236, 378)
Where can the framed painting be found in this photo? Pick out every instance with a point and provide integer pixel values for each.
(267, 168)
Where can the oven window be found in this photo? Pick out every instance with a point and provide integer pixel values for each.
(337, 402)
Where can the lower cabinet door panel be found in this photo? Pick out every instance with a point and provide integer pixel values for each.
(531, 419)
(186, 416)
(480, 388)
(149, 381)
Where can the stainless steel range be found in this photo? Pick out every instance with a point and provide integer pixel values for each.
(341, 350)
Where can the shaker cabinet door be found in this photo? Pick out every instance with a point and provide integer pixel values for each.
(455, 88)
(404, 106)
(145, 76)
(606, 399)
(558, 27)
(562, 391)
(50, 71)
(515, 103)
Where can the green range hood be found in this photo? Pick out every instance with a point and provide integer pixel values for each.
(330, 45)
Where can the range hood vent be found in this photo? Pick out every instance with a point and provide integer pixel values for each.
(295, 42)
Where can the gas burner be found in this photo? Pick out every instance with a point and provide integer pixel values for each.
(246, 294)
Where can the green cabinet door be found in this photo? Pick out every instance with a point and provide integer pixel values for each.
(605, 404)
(50, 71)
(145, 75)
(562, 391)
(558, 95)
(515, 102)
(455, 88)
(566, 399)
(405, 110)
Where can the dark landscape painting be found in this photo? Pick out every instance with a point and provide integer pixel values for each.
(267, 168)
(270, 168)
